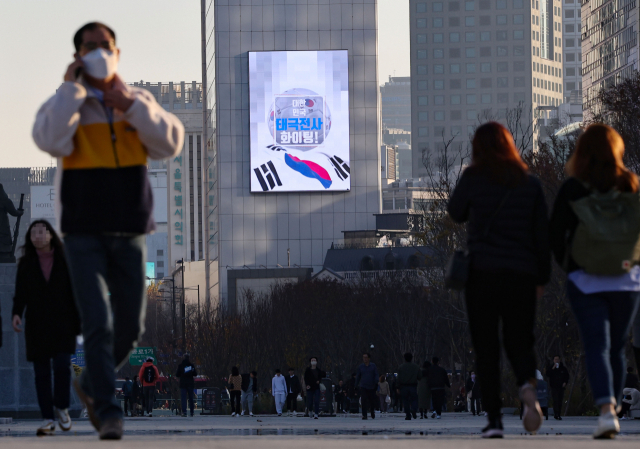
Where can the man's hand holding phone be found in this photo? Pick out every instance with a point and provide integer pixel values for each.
(74, 70)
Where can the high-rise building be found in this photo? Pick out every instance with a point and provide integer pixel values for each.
(472, 60)
(572, 49)
(609, 45)
(258, 236)
(395, 103)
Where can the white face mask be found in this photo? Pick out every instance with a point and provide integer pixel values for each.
(100, 63)
(314, 363)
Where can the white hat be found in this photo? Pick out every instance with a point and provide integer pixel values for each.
(539, 375)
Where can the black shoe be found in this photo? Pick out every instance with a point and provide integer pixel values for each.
(407, 418)
(559, 418)
(373, 416)
(111, 429)
(364, 418)
(493, 430)
(414, 415)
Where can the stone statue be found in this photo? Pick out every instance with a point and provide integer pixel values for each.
(7, 245)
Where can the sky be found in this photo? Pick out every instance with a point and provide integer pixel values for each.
(159, 41)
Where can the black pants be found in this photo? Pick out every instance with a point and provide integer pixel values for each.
(624, 409)
(234, 399)
(557, 394)
(409, 399)
(186, 394)
(340, 402)
(510, 298)
(369, 400)
(475, 405)
(438, 399)
(128, 404)
(149, 398)
(58, 396)
(292, 402)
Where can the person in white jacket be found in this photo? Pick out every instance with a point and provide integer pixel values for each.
(630, 401)
(279, 390)
(103, 133)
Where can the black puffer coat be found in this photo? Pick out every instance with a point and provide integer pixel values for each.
(51, 320)
(518, 236)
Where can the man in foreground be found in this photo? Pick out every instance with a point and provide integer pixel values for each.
(103, 131)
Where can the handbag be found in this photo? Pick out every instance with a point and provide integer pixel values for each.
(457, 271)
(388, 399)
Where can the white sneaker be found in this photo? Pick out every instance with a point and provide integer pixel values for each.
(64, 420)
(48, 427)
(532, 413)
(433, 415)
(233, 414)
(315, 416)
(608, 427)
(437, 416)
(242, 414)
(251, 414)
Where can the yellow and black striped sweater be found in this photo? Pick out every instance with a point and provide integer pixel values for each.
(104, 186)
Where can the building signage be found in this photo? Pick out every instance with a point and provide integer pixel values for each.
(299, 118)
(139, 355)
(43, 199)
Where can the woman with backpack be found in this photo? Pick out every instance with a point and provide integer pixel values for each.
(149, 375)
(594, 235)
(43, 288)
(509, 264)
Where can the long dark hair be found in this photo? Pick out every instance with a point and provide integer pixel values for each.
(598, 160)
(29, 251)
(494, 152)
(235, 371)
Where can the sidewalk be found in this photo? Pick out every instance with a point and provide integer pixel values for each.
(454, 431)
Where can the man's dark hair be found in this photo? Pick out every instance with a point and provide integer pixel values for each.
(291, 368)
(77, 38)
(408, 357)
(255, 373)
(278, 371)
(367, 354)
(435, 360)
(311, 358)
(557, 355)
(127, 378)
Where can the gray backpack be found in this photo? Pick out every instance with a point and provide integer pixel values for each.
(607, 239)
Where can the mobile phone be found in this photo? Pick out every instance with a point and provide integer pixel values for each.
(78, 72)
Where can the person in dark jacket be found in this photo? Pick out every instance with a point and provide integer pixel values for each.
(473, 393)
(352, 392)
(43, 289)
(367, 381)
(438, 379)
(340, 393)
(187, 373)
(558, 376)
(407, 386)
(509, 265)
(249, 388)
(136, 396)
(127, 389)
(604, 305)
(313, 375)
(293, 390)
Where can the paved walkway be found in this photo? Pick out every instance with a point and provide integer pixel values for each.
(453, 431)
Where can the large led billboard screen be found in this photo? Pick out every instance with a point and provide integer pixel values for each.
(299, 114)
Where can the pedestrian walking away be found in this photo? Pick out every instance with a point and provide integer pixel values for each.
(279, 391)
(235, 390)
(558, 376)
(340, 393)
(313, 376)
(187, 373)
(383, 394)
(249, 389)
(424, 392)
(104, 131)
(595, 236)
(367, 381)
(43, 294)
(474, 394)
(509, 258)
(127, 390)
(136, 396)
(438, 379)
(149, 375)
(293, 390)
(409, 374)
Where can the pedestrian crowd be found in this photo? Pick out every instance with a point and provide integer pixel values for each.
(92, 280)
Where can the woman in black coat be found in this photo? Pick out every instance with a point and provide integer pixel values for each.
(43, 288)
